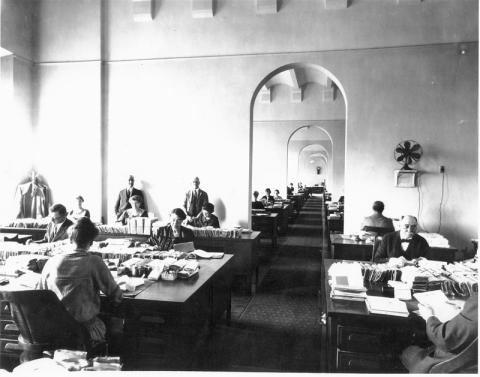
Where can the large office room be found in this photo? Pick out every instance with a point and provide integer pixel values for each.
(278, 186)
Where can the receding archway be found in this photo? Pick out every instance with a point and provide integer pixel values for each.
(287, 99)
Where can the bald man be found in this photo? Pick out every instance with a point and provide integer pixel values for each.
(405, 243)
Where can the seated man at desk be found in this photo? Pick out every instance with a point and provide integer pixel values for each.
(172, 233)
(206, 217)
(267, 198)
(256, 204)
(405, 244)
(57, 227)
(449, 338)
(77, 276)
(377, 220)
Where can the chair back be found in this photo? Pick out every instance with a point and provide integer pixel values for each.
(376, 244)
(43, 320)
(464, 362)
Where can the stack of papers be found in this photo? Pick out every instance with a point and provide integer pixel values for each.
(209, 232)
(205, 255)
(435, 239)
(386, 305)
(347, 281)
(443, 308)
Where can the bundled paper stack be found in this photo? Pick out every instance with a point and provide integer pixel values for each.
(140, 225)
(216, 232)
(386, 305)
(112, 229)
(435, 239)
(347, 281)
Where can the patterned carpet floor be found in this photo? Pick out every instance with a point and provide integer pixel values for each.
(279, 328)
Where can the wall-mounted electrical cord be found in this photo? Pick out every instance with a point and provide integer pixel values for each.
(441, 203)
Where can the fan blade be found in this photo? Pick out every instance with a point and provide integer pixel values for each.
(406, 145)
(416, 147)
(399, 150)
(400, 158)
(416, 156)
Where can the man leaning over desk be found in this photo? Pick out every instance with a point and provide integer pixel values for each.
(402, 245)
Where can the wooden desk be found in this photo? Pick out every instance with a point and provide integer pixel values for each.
(245, 250)
(353, 250)
(282, 217)
(36, 233)
(345, 248)
(335, 224)
(360, 342)
(267, 225)
(164, 321)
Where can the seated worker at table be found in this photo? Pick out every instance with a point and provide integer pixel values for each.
(277, 195)
(377, 220)
(136, 210)
(206, 217)
(449, 338)
(402, 245)
(77, 277)
(78, 212)
(123, 199)
(57, 227)
(256, 204)
(172, 233)
(267, 198)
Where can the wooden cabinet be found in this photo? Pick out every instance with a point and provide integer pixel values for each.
(9, 351)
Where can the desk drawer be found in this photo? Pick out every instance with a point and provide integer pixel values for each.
(361, 339)
(8, 329)
(353, 362)
(5, 311)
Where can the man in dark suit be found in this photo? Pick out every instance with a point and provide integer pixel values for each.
(195, 199)
(449, 338)
(377, 220)
(124, 196)
(402, 245)
(57, 227)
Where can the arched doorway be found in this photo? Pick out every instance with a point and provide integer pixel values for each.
(290, 98)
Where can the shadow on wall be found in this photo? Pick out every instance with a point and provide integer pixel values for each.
(151, 206)
(220, 210)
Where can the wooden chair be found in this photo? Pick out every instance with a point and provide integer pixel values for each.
(464, 362)
(45, 324)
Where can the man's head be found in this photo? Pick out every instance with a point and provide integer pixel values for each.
(196, 182)
(408, 227)
(208, 209)
(277, 192)
(131, 181)
(255, 194)
(268, 191)
(378, 206)
(83, 232)
(59, 213)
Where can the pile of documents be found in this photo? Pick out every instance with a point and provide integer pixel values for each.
(112, 229)
(29, 223)
(140, 225)
(386, 305)
(346, 281)
(435, 239)
(374, 273)
(443, 308)
(216, 232)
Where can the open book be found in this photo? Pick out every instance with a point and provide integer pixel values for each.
(443, 308)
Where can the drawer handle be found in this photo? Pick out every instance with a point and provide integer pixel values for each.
(11, 327)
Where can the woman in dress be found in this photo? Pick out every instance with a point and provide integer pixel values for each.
(79, 212)
(136, 210)
(172, 233)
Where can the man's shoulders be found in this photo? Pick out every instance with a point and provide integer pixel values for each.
(390, 236)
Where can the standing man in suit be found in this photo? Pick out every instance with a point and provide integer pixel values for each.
(406, 244)
(195, 199)
(122, 203)
(57, 227)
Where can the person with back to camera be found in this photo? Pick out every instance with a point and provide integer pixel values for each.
(448, 339)
(77, 278)
(377, 220)
(257, 204)
(78, 212)
(134, 211)
(172, 233)
(206, 217)
(402, 246)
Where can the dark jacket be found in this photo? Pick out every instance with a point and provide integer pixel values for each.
(377, 220)
(193, 202)
(122, 203)
(391, 247)
(165, 240)
(51, 236)
(200, 221)
(257, 205)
